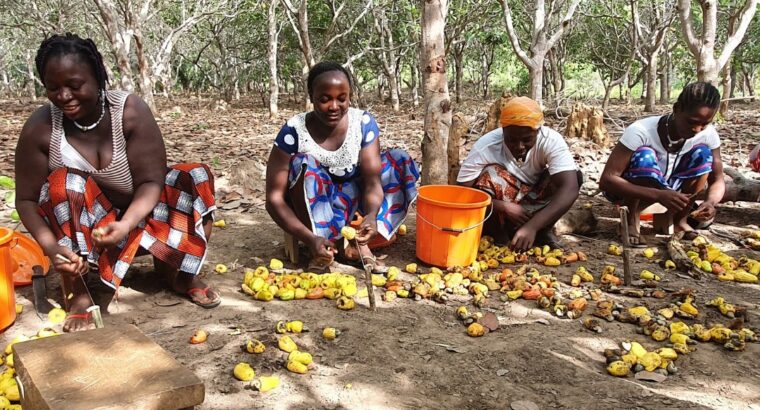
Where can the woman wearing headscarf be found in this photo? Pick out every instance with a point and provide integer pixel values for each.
(528, 170)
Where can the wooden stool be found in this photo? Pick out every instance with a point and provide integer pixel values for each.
(662, 219)
(291, 247)
(110, 368)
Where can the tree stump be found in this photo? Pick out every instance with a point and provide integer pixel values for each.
(494, 111)
(587, 123)
(459, 128)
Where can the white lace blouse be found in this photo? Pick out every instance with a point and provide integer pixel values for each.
(342, 163)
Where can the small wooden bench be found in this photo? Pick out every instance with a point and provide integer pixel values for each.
(662, 219)
(291, 248)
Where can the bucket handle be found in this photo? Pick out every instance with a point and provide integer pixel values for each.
(459, 230)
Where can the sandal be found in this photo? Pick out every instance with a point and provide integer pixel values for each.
(193, 294)
(371, 263)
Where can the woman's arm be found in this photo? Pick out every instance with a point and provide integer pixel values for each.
(559, 203)
(370, 167)
(31, 174)
(716, 188)
(278, 167)
(612, 180)
(147, 163)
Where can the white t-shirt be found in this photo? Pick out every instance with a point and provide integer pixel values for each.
(550, 152)
(643, 133)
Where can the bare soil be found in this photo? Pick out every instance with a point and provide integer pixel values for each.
(406, 354)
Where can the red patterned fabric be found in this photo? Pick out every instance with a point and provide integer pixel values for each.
(73, 206)
(503, 186)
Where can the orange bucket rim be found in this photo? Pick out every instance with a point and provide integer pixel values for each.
(470, 205)
(6, 234)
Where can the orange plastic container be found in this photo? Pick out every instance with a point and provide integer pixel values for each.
(449, 223)
(7, 291)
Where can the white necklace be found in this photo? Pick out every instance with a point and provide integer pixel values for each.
(667, 131)
(85, 128)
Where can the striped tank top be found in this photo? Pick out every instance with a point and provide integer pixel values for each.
(114, 177)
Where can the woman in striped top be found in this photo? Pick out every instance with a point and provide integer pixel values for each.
(94, 188)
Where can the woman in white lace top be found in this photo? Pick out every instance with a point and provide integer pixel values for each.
(327, 164)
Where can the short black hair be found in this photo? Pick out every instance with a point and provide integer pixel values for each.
(326, 67)
(699, 94)
(58, 45)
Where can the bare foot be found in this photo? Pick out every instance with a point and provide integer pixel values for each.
(78, 319)
(683, 226)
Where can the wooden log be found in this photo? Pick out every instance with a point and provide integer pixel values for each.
(740, 188)
(115, 367)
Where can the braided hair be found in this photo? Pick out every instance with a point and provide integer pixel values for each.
(326, 67)
(59, 45)
(699, 94)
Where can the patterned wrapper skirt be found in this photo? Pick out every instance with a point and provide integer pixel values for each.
(332, 203)
(692, 164)
(73, 206)
(503, 186)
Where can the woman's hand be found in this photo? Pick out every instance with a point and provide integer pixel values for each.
(322, 249)
(514, 213)
(110, 234)
(77, 267)
(367, 230)
(673, 200)
(523, 238)
(704, 212)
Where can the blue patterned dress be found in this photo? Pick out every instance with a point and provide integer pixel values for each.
(332, 180)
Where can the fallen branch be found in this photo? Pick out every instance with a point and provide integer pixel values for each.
(678, 255)
(740, 188)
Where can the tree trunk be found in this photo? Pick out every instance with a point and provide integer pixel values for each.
(146, 83)
(435, 139)
(458, 55)
(30, 74)
(393, 89)
(556, 74)
(607, 91)
(485, 74)
(415, 78)
(274, 87)
(119, 42)
(651, 83)
(748, 82)
(727, 85)
(536, 73)
(665, 79)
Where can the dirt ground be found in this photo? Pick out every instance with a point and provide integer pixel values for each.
(407, 354)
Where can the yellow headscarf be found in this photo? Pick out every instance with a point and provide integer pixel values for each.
(522, 111)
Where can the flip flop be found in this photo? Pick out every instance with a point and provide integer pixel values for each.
(87, 316)
(371, 263)
(192, 292)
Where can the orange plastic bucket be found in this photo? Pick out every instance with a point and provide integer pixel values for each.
(449, 223)
(7, 291)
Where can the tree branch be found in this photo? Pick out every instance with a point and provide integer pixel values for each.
(684, 14)
(513, 36)
(745, 17)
